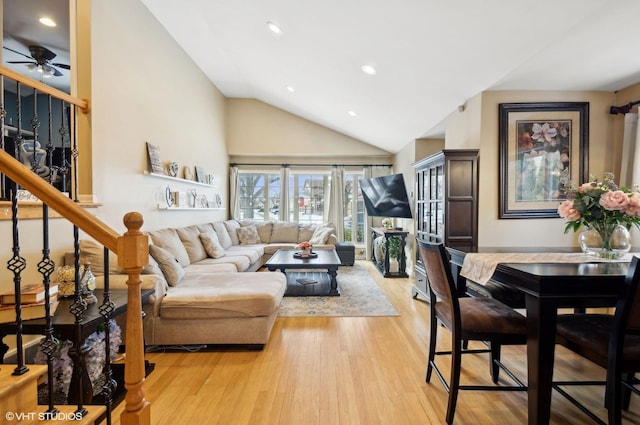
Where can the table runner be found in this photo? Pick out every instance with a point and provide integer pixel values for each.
(479, 267)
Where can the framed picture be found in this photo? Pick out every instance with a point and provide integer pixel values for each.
(200, 176)
(153, 155)
(543, 149)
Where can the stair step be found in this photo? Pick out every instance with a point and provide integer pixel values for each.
(65, 415)
(19, 393)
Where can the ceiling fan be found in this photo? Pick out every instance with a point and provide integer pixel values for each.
(41, 62)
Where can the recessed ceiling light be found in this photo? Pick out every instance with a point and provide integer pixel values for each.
(368, 69)
(274, 28)
(352, 113)
(47, 21)
(291, 89)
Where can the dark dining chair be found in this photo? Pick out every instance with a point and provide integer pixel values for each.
(610, 341)
(467, 319)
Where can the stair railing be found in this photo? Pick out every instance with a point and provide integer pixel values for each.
(131, 249)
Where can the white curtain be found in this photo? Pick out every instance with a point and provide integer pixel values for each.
(335, 206)
(630, 167)
(233, 192)
(283, 209)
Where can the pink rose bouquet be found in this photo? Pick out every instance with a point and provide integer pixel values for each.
(600, 204)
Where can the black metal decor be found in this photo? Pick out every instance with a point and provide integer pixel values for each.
(3, 113)
(78, 351)
(16, 265)
(106, 310)
(46, 267)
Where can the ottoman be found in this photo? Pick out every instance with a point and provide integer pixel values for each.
(346, 252)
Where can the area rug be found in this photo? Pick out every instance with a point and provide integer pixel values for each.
(359, 296)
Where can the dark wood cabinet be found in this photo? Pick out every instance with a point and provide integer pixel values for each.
(446, 188)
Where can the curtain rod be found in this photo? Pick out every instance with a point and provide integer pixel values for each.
(614, 110)
(233, 164)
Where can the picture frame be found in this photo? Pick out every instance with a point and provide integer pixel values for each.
(543, 148)
(153, 156)
(200, 175)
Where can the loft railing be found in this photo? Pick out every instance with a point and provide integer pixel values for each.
(61, 196)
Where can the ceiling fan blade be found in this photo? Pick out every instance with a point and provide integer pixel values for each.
(56, 72)
(16, 52)
(21, 62)
(61, 65)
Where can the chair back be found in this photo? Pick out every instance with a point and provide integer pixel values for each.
(627, 315)
(438, 269)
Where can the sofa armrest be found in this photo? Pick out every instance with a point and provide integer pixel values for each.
(332, 239)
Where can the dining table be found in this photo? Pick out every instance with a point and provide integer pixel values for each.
(550, 279)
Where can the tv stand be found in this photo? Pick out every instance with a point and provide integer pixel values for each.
(402, 261)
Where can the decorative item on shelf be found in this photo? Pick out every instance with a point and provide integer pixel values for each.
(155, 164)
(173, 169)
(188, 173)
(211, 179)
(218, 201)
(200, 176)
(65, 277)
(204, 202)
(194, 198)
(606, 211)
(168, 196)
(88, 284)
(387, 223)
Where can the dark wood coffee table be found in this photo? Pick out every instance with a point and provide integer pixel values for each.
(305, 276)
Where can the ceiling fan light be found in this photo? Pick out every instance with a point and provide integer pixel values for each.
(47, 21)
(31, 66)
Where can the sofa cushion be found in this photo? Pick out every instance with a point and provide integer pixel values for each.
(264, 229)
(212, 245)
(252, 252)
(284, 231)
(93, 252)
(321, 234)
(223, 234)
(305, 232)
(169, 240)
(230, 295)
(190, 237)
(240, 262)
(171, 268)
(232, 229)
(248, 235)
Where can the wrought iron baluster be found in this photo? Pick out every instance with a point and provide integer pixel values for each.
(3, 114)
(73, 131)
(106, 310)
(46, 267)
(16, 265)
(79, 349)
(65, 166)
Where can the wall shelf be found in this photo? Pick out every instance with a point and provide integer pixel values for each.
(178, 179)
(165, 208)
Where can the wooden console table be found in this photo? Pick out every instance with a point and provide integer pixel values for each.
(389, 234)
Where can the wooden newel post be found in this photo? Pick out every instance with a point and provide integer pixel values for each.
(133, 255)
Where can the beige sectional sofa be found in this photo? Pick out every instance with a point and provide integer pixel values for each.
(207, 288)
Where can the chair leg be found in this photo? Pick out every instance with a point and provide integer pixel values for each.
(432, 346)
(494, 357)
(626, 392)
(454, 382)
(613, 395)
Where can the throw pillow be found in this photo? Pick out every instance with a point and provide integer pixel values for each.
(223, 235)
(284, 231)
(212, 244)
(171, 268)
(248, 235)
(320, 235)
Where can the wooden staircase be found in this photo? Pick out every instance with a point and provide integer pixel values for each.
(19, 395)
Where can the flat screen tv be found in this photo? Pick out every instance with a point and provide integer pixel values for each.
(386, 196)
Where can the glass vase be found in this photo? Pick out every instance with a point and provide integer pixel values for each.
(610, 241)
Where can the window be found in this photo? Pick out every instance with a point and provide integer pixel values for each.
(307, 197)
(259, 195)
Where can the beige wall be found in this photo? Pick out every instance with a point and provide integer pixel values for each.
(145, 88)
(477, 127)
(255, 128)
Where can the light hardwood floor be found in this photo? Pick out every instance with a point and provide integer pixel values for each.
(349, 370)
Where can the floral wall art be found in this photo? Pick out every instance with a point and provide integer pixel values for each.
(543, 148)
